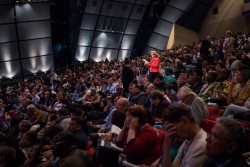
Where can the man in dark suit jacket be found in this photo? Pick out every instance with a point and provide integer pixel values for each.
(127, 75)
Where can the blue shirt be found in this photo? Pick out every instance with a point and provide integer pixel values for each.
(81, 139)
(111, 88)
(108, 119)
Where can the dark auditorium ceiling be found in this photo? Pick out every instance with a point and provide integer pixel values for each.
(132, 27)
(40, 35)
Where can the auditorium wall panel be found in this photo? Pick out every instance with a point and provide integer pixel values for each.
(229, 17)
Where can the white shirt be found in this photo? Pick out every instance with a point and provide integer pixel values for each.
(192, 153)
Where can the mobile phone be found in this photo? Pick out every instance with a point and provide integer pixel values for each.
(172, 91)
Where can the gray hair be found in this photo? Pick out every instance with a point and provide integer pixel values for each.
(235, 133)
(31, 106)
(185, 91)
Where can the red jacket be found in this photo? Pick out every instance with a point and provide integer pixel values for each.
(145, 148)
(154, 64)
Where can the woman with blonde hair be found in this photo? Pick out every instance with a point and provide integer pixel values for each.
(196, 103)
(154, 65)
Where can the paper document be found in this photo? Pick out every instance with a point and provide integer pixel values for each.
(102, 143)
(127, 164)
(116, 147)
(101, 134)
(115, 129)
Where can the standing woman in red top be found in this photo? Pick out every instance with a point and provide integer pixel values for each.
(154, 65)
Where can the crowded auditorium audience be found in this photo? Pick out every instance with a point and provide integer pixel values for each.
(65, 117)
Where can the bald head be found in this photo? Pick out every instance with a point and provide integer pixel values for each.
(122, 104)
(150, 87)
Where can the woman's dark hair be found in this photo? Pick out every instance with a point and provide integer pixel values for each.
(222, 64)
(159, 77)
(212, 76)
(32, 137)
(126, 61)
(118, 118)
(156, 94)
(9, 155)
(66, 136)
(64, 100)
(245, 71)
(53, 130)
(172, 86)
(81, 121)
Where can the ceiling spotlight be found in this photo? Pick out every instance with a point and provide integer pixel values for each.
(34, 73)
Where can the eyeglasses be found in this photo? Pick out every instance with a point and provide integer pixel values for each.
(214, 136)
(238, 74)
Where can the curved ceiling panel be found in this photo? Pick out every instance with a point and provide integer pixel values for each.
(138, 12)
(93, 6)
(37, 47)
(89, 22)
(188, 13)
(35, 11)
(8, 51)
(32, 30)
(132, 27)
(163, 27)
(86, 41)
(10, 69)
(200, 10)
(7, 14)
(100, 54)
(117, 9)
(158, 41)
(124, 54)
(171, 14)
(142, 2)
(7, 33)
(25, 33)
(82, 54)
(182, 5)
(37, 65)
(107, 40)
(6, 1)
(127, 42)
